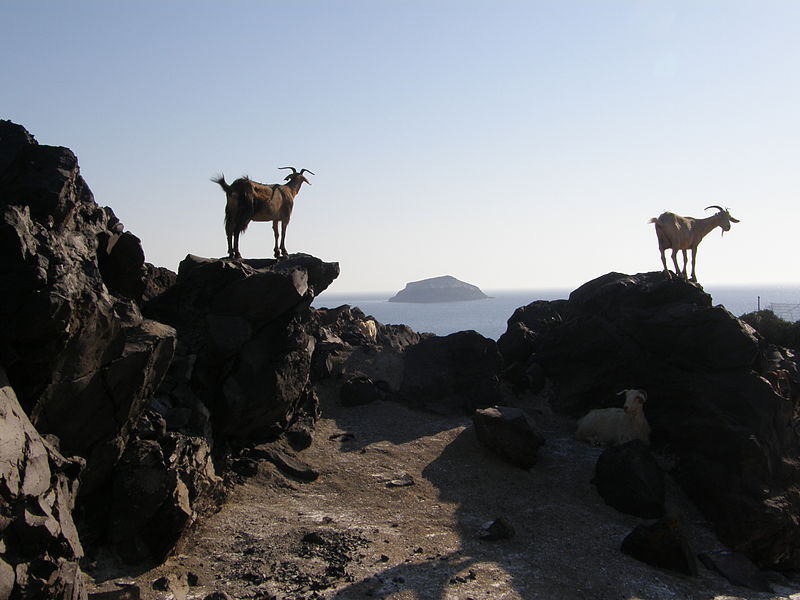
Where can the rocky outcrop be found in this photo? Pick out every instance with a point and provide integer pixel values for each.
(454, 374)
(733, 434)
(438, 289)
(79, 354)
(510, 433)
(39, 545)
(85, 363)
(244, 353)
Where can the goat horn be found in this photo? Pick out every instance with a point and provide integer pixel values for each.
(719, 208)
(306, 171)
(294, 171)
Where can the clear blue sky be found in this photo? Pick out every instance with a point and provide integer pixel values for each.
(510, 144)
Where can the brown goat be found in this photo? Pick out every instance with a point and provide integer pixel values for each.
(686, 233)
(248, 201)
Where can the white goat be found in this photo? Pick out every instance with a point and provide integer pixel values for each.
(248, 201)
(369, 329)
(611, 426)
(685, 233)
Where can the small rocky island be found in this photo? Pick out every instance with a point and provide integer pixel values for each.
(438, 289)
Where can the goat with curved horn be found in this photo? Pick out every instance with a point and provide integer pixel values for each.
(686, 233)
(248, 201)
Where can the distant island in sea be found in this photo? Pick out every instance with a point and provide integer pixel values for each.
(438, 289)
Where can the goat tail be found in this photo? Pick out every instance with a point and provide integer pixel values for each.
(220, 179)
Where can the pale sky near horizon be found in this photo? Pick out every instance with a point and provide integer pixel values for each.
(510, 144)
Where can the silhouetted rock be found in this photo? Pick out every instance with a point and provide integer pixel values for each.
(242, 329)
(454, 374)
(362, 390)
(732, 433)
(438, 289)
(629, 479)
(82, 359)
(662, 544)
(510, 433)
(518, 342)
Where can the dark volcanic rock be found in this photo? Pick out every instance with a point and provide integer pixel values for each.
(733, 434)
(159, 487)
(736, 568)
(510, 433)
(242, 326)
(499, 529)
(39, 547)
(287, 464)
(80, 356)
(438, 289)
(455, 374)
(629, 479)
(84, 361)
(662, 544)
(362, 390)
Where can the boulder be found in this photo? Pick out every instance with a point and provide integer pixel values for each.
(499, 529)
(362, 390)
(736, 568)
(286, 463)
(662, 544)
(629, 479)
(732, 433)
(243, 343)
(40, 548)
(510, 433)
(454, 374)
(159, 488)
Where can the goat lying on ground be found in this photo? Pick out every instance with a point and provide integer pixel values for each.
(248, 201)
(685, 233)
(611, 426)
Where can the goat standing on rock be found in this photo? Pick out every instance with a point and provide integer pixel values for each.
(686, 233)
(252, 201)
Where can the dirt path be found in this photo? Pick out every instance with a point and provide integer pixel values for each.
(396, 513)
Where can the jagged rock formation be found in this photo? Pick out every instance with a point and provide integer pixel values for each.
(39, 549)
(157, 382)
(244, 353)
(733, 433)
(438, 289)
(78, 353)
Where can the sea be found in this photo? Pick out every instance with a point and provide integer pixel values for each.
(489, 316)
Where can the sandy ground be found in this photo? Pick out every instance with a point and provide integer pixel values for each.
(396, 514)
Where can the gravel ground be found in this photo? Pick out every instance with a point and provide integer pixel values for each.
(397, 513)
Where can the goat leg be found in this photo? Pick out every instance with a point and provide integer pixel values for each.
(276, 250)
